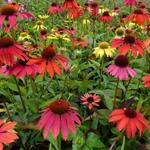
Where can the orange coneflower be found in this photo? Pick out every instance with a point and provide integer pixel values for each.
(139, 17)
(129, 120)
(48, 61)
(78, 42)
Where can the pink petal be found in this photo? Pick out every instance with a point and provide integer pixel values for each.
(64, 127)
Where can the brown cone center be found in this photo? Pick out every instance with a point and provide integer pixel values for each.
(130, 113)
(49, 52)
(59, 106)
(122, 61)
(129, 39)
(90, 99)
(6, 42)
(8, 10)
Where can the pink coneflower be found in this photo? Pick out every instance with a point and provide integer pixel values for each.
(129, 120)
(9, 49)
(91, 100)
(106, 17)
(22, 69)
(7, 134)
(48, 61)
(128, 42)
(62, 30)
(79, 43)
(9, 14)
(43, 34)
(146, 80)
(139, 16)
(59, 115)
(54, 9)
(121, 69)
(130, 2)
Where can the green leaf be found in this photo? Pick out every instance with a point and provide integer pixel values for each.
(93, 141)
(53, 141)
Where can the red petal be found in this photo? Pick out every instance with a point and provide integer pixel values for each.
(50, 69)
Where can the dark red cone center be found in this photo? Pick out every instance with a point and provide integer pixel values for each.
(90, 99)
(122, 61)
(59, 106)
(130, 113)
(49, 52)
(6, 42)
(138, 12)
(106, 13)
(129, 39)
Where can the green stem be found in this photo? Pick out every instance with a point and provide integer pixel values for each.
(7, 110)
(21, 98)
(59, 141)
(127, 88)
(116, 92)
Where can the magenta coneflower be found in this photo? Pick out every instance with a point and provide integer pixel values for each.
(93, 8)
(130, 2)
(128, 42)
(9, 49)
(9, 14)
(106, 17)
(121, 69)
(59, 115)
(129, 120)
(22, 69)
(91, 100)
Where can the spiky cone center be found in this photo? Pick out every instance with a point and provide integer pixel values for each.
(90, 99)
(119, 32)
(103, 45)
(23, 62)
(69, 0)
(6, 42)
(138, 12)
(53, 4)
(8, 10)
(93, 5)
(122, 61)
(130, 113)
(129, 39)
(60, 106)
(49, 52)
(106, 13)
(43, 32)
(39, 23)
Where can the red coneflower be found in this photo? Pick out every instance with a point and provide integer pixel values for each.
(9, 49)
(91, 100)
(48, 61)
(7, 134)
(129, 120)
(106, 17)
(121, 69)
(146, 80)
(130, 2)
(59, 115)
(139, 17)
(69, 4)
(78, 42)
(22, 69)
(54, 9)
(10, 13)
(128, 42)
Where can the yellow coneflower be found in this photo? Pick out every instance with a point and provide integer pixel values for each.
(103, 49)
(57, 36)
(86, 21)
(43, 17)
(24, 36)
(131, 25)
(102, 9)
(39, 25)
